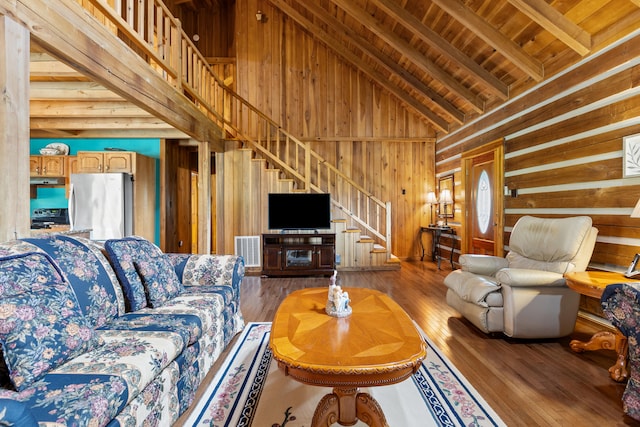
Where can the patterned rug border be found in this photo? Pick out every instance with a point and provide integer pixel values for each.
(232, 397)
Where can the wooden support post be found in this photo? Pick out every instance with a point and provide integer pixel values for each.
(204, 197)
(14, 123)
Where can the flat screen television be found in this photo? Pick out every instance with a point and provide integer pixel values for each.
(299, 211)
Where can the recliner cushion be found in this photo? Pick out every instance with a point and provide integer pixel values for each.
(552, 241)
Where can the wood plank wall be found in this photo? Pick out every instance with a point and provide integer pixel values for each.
(564, 149)
(214, 27)
(346, 117)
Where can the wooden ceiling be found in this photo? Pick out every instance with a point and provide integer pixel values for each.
(449, 60)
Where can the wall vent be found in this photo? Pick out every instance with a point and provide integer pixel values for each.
(249, 248)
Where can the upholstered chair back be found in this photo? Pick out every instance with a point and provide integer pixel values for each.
(559, 245)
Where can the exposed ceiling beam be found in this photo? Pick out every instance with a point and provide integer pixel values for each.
(411, 53)
(381, 60)
(337, 47)
(467, 17)
(409, 21)
(556, 23)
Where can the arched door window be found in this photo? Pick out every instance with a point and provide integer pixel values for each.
(483, 202)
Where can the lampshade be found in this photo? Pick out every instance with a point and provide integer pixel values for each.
(636, 211)
(431, 198)
(445, 197)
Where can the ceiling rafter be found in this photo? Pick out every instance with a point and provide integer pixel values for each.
(411, 53)
(337, 47)
(409, 21)
(507, 47)
(382, 60)
(556, 23)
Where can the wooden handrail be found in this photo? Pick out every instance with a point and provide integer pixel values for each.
(157, 36)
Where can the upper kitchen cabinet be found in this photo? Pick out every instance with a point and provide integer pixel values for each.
(48, 166)
(108, 161)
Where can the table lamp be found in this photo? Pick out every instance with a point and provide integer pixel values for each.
(446, 199)
(432, 200)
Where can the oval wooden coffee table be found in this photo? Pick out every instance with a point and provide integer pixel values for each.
(378, 344)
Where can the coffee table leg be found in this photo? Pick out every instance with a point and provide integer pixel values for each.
(369, 411)
(345, 406)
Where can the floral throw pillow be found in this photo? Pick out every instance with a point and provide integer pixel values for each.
(18, 273)
(160, 280)
(40, 330)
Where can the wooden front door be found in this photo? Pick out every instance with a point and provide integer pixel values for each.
(482, 182)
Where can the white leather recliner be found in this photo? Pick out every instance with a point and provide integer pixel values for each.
(524, 295)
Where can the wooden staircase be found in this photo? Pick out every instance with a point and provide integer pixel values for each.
(360, 252)
(158, 38)
(354, 250)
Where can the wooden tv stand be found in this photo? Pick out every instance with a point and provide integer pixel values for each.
(305, 254)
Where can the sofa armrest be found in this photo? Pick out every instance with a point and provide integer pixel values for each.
(15, 413)
(209, 270)
(485, 265)
(621, 305)
(522, 277)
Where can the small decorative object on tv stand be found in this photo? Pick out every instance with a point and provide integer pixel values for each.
(337, 300)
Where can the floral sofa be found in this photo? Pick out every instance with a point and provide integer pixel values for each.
(116, 334)
(621, 305)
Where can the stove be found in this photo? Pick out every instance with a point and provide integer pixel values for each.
(46, 217)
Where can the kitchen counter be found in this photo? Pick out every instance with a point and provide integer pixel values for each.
(60, 229)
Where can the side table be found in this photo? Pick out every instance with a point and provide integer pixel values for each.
(436, 232)
(592, 284)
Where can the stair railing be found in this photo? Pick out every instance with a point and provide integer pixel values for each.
(157, 36)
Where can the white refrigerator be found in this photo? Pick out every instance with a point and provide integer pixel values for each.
(103, 203)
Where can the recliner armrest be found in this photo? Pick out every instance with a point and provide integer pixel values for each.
(486, 265)
(521, 277)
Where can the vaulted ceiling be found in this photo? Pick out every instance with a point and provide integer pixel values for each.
(449, 60)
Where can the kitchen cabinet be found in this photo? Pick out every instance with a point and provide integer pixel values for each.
(107, 161)
(48, 166)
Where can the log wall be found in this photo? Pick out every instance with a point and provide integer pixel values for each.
(564, 149)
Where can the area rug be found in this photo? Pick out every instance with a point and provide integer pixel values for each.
(250, 390)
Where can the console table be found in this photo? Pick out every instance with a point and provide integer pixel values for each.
(436, 232)
(298, 254)
(592, 284)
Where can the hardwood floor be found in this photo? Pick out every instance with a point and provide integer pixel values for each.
(528, 383)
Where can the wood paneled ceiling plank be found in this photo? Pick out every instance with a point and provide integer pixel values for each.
(96, 123)
(409, 21)
(42, 90)
(62, 108)
(109, 133)
(467, 17)
(636, 2)
(556, 23)
(381, 59)
(413, 54)
(356, 62)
